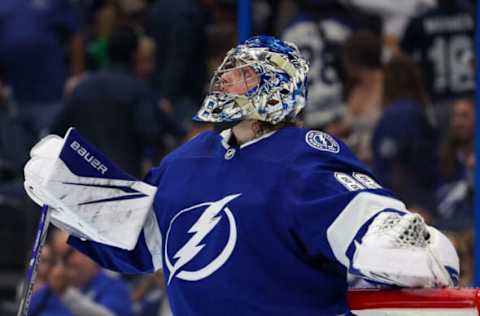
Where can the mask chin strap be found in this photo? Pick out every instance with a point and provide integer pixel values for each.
(248, 108)
(249, 112)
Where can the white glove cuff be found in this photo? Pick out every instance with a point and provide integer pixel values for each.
(403, 250)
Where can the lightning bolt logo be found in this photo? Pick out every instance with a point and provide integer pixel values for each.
(207, 221)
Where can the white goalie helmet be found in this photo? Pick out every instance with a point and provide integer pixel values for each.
(263, 78)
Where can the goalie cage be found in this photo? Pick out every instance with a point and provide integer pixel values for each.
(419, 302)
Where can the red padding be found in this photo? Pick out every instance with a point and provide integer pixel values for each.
(359, 299)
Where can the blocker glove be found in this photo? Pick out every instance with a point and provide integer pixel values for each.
(90, 197)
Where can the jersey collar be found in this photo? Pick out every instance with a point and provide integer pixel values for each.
(227, 134)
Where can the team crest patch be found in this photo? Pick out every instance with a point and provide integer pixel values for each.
(322, 141)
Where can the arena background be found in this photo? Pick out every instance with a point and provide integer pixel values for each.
(477, 150)
(230, 22)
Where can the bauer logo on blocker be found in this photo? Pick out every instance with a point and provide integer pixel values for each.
(207, 217)
(322, 141)
(88, 157)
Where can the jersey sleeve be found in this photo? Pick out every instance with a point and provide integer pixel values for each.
(146, 257)
(332, 199)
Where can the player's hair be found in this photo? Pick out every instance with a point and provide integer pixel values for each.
(265, 127)
(403, 81)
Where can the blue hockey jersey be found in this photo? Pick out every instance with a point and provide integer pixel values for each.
(265, 228)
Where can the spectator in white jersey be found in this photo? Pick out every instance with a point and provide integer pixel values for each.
(319, 29)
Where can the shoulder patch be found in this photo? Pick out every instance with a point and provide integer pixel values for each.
(322, 141)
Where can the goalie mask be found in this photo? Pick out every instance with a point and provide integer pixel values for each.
(263, 78)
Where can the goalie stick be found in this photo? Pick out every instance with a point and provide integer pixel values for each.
(33, 263)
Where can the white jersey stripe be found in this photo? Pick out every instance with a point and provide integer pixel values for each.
(343, 230)
(153, 239)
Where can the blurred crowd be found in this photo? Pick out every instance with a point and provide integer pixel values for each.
(393, 79)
